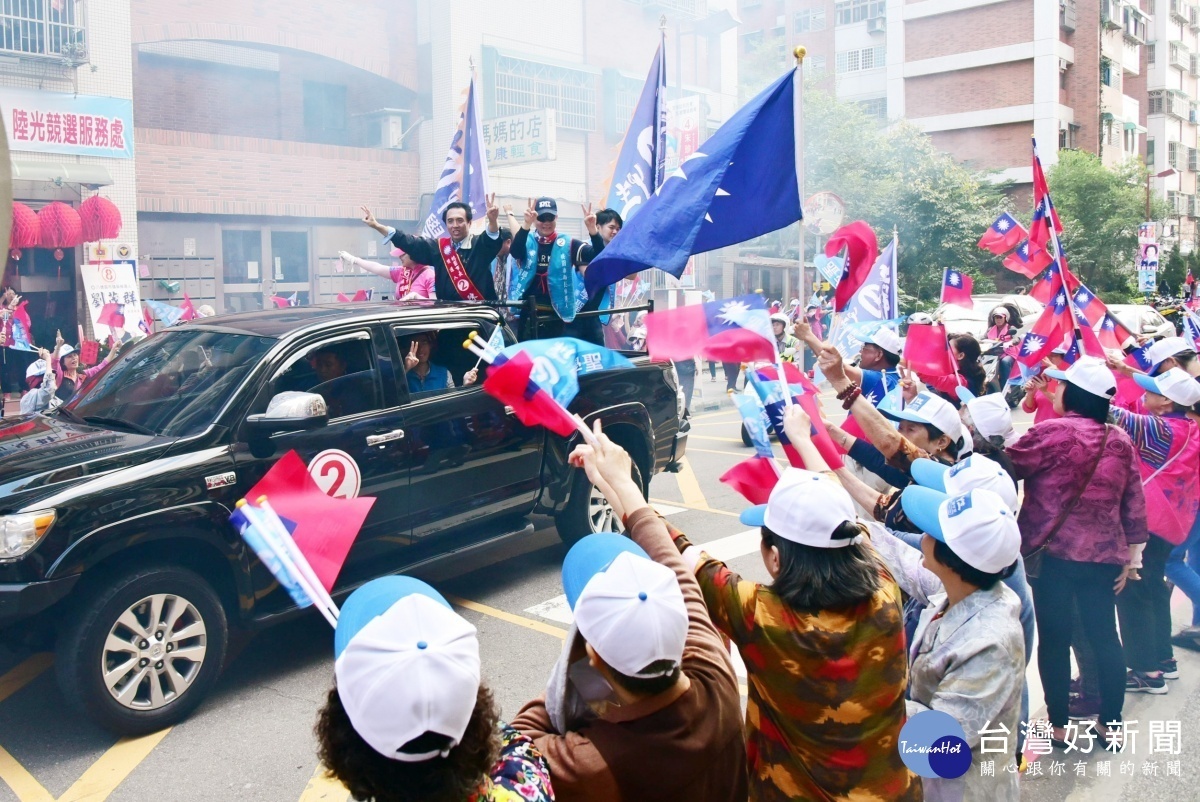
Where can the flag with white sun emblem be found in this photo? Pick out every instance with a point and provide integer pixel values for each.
(740, 184)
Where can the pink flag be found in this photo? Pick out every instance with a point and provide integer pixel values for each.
(926, 350)
(754, 478)
(862, 249)
(324, 528)
(189, 311)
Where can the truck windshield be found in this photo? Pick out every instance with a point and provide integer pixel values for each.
(172, 384)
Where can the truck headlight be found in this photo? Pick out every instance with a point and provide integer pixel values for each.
(21, 531)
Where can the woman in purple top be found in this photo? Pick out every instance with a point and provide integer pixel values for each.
(1168, 443)
(1101, 530)
(413, 281)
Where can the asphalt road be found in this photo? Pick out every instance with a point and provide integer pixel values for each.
(252, 739)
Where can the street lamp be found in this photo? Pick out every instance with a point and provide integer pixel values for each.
(1164, 174)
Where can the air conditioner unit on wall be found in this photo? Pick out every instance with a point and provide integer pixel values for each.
(387, 128)
(877, 25)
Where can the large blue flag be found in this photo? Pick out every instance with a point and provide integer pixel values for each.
(739, 185)
(638, 171)
(464, 175)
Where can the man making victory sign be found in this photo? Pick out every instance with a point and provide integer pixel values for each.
(461, 261)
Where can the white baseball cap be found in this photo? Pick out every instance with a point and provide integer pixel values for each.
(65, 351)
(932, 410)
(806, 508)
(1176, 384)
(974, 472)
(977, 526)
(887, 339)
(991, 416)
(779, 317)
(37, 368)
(1166, 348)
(628, 607)
(406, 665)
(966, 441)
(1088, 373)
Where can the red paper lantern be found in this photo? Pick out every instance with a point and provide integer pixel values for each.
(60, 225)
(26, 231)
(101, 219)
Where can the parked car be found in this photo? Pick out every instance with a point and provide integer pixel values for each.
(1143, 321)
(114, 509)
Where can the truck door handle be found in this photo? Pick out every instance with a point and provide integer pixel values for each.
(386, 437)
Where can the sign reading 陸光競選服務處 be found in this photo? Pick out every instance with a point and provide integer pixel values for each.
(56, 122)
(521, 138)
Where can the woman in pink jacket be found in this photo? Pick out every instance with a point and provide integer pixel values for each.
(413, 281)
(1168, 446)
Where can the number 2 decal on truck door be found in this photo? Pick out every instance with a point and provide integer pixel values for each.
(336, 473)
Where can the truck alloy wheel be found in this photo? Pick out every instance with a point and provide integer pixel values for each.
(154, 651)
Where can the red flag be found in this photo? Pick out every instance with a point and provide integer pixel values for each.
(1051, 329)
(862, 251)
(754, 478)
(927, 351)
(1028, 260)
(89, 352)
(808, 402)
(324, 528)
(956, 288)
(280, 303)
(112, 315)
(510, 384)
(21, 313)
(361, 295)
(148, 319)
(1003, 235)
(1044, 213)
(342, 298)
(729, 330)
(189, 311)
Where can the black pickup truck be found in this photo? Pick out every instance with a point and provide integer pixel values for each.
(114, 508)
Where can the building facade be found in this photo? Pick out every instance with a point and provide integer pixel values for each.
(65, 91)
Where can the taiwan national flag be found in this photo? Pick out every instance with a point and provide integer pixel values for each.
(754, 478)
(1028, 260)
(558, 362)
(113, 316)
(512, 384)
(1112, 334)
(732, 330)
(1051, 329)
(862, 251)
(765, 382)
(1043, 289)
(1003, 235)
(189, 311)
(956, 288)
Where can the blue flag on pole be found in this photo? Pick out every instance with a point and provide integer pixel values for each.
(740, 184)
(168, 314)
(464, 175)
(558, 363)
(638, 171)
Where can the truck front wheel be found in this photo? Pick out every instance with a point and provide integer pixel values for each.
(588, 511)
(143, 648)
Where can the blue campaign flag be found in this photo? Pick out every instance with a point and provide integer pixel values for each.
(20, 337)
(638, 172)
(168, 314)
(830, 267)
(740, 184)
(558, 362)
(754, 416)
(464, 175)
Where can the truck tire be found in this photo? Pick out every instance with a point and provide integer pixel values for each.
(143, 648)
(746, 441)
(588, 511)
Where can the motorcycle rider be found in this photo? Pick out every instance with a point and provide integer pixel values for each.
(786, 345)
(1005, 336)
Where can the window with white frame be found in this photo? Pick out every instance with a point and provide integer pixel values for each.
(811, 19)
(43, 29)
(521, 86)
(851, 11)
(867, 58)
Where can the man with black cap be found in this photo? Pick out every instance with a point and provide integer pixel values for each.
(462, 262)
(546, 270)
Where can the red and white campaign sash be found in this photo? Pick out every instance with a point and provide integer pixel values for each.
(458, 273)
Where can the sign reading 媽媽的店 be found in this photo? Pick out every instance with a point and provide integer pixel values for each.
(521, 138)
(55, 122)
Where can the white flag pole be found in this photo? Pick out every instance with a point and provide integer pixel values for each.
(798, 138)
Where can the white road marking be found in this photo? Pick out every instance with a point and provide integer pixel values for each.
(667, 509)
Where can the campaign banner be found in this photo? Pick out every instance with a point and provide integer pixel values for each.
(1148, 256)
(113, 300)
(80, 125)
(683, 130)
(521, 138)
(1147, 281)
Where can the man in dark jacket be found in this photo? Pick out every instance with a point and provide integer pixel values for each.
(462, 262)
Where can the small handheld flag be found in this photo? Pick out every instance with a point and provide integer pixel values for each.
(1003, 235)
(956, 288)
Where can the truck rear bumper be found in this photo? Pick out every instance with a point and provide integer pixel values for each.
(18, 602)
(680, 448)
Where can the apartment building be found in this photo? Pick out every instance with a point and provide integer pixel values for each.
(1173, 53)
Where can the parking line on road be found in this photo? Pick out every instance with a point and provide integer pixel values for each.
(103, 776)
(689, 485)
(323, 788)
(511, 618)
(24, 673)
(21, 781)
(696, 507)
(692, 437)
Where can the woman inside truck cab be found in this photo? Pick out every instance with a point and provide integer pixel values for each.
(425, 375)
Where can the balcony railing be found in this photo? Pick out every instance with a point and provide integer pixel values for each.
(44, 29)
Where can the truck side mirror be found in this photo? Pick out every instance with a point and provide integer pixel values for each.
(289, 412)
